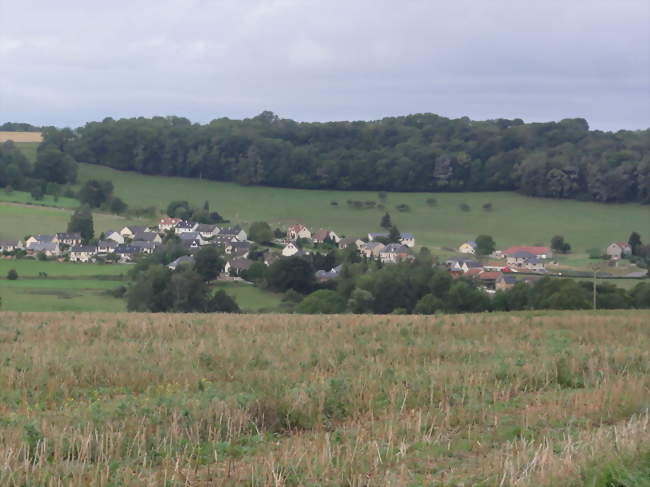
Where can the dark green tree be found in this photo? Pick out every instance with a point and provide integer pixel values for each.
(95, 193)
(208, 263)
(635, 242)
(559, 245)
(394, 235)
(12, 275)
(222, 302)
(52, 165)
(260, 232)
(322, 301)
(485, 244)
(385, 221)
(291, 273)
(81, 221)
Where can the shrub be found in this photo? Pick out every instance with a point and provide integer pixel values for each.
(487, 206)
(403, 207)
(12, 275)
(431, 201)
(464, 207)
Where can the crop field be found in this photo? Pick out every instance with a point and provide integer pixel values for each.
(530, 399)
(48, 200)
(21, 220)
(23, 137)
(513, 219)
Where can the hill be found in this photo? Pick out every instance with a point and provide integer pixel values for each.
(513, 218)
(133, 399)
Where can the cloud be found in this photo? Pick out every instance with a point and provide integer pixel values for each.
(69, 62)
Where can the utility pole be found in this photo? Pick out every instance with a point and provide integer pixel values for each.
(595, 269)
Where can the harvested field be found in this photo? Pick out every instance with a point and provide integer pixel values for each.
(20, 136)
(523, 399)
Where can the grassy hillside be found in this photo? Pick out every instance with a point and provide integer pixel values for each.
(29, 149)
(533, 399)
(20, 220)
(514, 219)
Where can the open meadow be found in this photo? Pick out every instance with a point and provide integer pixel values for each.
(513, 219)
(523, 399)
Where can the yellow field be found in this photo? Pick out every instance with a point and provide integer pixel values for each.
(21, 136)
(520, 399)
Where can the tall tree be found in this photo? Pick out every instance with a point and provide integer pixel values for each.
(485, 244)
(81, 221)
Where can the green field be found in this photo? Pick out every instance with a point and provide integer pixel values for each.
(531, 399)
(26, 198)
(251, 299)
(29, 149)
(32, 267)
(515, 219)
(59, 295)
(21, 220)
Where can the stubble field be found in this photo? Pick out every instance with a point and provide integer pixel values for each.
(530, 399)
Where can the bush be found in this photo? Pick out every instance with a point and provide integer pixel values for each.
(322, 302)
(12, 275)
(431, 201)
(334, 203)
(403, 207)
(487, 206)
(464, 207)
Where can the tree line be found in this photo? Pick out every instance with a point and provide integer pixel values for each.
(421, 152)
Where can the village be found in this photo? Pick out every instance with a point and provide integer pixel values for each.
(499, 270)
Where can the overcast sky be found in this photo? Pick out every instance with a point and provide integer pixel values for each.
(69, 62)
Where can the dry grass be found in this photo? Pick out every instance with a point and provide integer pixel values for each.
(141, 399)
(21, 136)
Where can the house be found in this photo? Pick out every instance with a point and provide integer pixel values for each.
(168, 223)
(106, 246)
(50, 249)
(323, 275)
(130, 230)
(537, 251)
(185, 226)
(504, 282)
(525, 260)
(290, 249)
(271, 257)
(462, 264)
(82, 253)
(70, 239)
(618, 250)
(11, 245)
(468, 247)
(488, 279)
(144, 247)
(39, 239)
(371, 250)
(238, 249)
(235, 232)
(406, 238)
(208, 230)
(191, 237)
(186, 260)
(393, 253)
(294, 232)
(113, 235)
(347, 242)
(235, 267)
(126, 252)
(222, 240)
(147, 237)
(322, 235)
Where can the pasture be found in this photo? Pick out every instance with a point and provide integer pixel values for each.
(524, 399)
(21, 220)
(32, 268)
(25, 198)
(513, 219)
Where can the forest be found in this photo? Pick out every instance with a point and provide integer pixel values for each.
(421, 152)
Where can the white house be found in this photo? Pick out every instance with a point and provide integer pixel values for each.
(32, 239)
(321, 235)
(70, 239)
(168, 223)
(82, 253)
(393, 253)
(618, 250)
(130, 230)
(372, 249)
(182, 260)
(147, 237)
(185, 226)
(235, 232)
(298, 231)
(208, 230)
(468, 247)
(114, 236)
(235, 267)
(290, 249)
(106, 246)
(11, 245)
(405, 238)
(50, 249)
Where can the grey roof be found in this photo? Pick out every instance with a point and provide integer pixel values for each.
(522, 254)
(185, 224)
(140, 244)
(127, 249)
(509, 278)
(182, 260)
(44, 238)
(43, 246)
(107, 243)
(189, 236)
(145, 236)
(137, 228)
(407, 235)
(9, 243)
(231, 230)
(84, 248)
(241, 264)
(206, 227)
(68, 236)
(395, 248)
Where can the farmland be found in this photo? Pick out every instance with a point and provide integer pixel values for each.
(20, 220)
(524, 399)
(21, 137)
(513, 219)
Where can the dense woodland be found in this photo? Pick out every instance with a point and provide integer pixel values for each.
(423, 152)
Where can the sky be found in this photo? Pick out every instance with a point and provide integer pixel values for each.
(70, 62)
